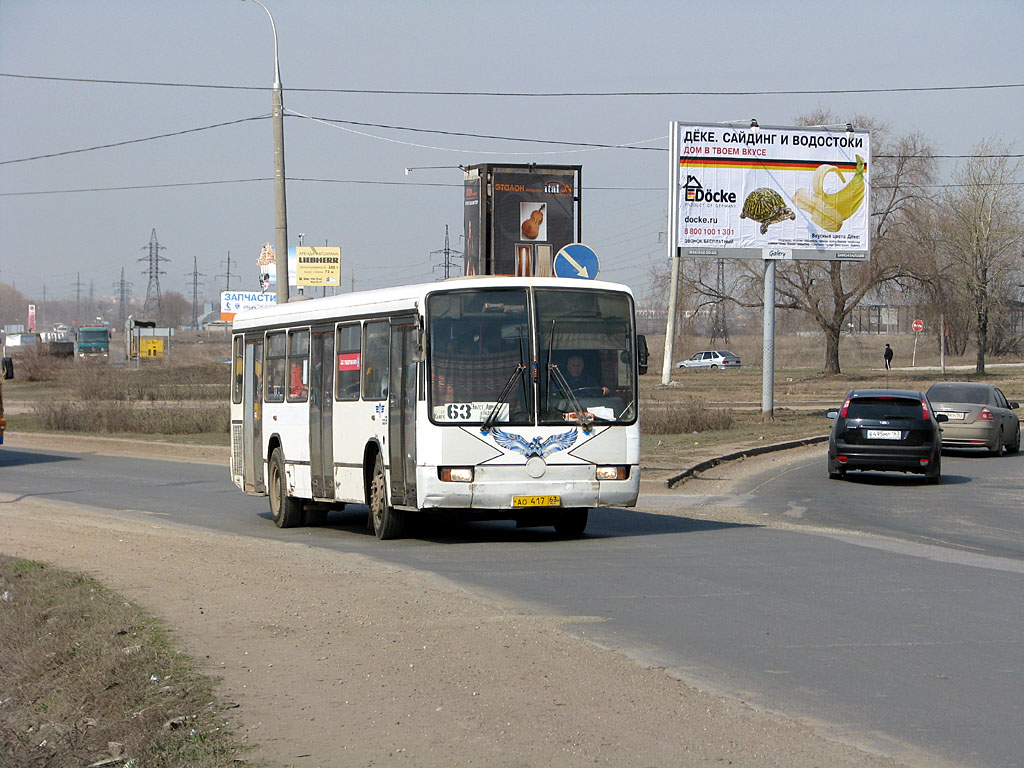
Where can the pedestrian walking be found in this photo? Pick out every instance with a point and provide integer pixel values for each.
(888, 357)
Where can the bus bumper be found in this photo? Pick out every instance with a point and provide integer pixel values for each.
(495, 487)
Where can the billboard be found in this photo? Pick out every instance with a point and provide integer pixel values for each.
(307, 265)
(233, 302)
(315, 265)
(771, 192)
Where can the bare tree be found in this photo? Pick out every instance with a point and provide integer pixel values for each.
(932, 284)
(828, 291)
(176, 309)
(13, 306)
(981, 234)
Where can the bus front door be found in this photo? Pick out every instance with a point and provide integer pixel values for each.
(402, 411)
(321, 414)
(252, 429)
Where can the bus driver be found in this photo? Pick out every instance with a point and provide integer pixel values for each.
(579, 380)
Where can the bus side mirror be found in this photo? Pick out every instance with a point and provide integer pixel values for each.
(641, 353)
(8, 368)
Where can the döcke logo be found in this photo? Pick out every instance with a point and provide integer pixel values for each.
(709, 196)
(695, 193)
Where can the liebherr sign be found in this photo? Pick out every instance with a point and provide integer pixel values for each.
(761, 192)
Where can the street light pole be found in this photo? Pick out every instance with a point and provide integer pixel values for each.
(280, 205)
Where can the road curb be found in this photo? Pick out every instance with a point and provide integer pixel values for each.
(756, 451)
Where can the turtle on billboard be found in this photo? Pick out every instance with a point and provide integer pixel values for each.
(517, 216)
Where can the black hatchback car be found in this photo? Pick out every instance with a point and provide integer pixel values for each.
(887, 430)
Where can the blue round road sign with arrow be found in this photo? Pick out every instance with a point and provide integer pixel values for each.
(578, 261)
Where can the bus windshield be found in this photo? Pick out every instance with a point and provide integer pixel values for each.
(585, 356)
(479, 340)
(483, 344)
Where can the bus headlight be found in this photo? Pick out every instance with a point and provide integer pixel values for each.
(455, 474)
(612, 473)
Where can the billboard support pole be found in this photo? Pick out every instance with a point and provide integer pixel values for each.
(768, 358)
(672, 240)
(942, 342)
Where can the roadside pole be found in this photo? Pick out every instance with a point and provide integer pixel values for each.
(671, 239)
(917, 326)
(768, 356)
(942, 341)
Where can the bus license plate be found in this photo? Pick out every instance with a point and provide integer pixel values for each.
(536, 501)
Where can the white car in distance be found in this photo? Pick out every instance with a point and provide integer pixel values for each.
(714, 359)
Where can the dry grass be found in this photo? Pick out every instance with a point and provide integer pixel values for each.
(87, 676)
(37, 364)
(154, 400)
(798, 365)
(692, 415)
(133, 419)
(151, 383)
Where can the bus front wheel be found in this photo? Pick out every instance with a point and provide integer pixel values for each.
(572, 522)
(388, 522)
(284, 509)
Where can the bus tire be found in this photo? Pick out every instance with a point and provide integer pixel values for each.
(572, 522)
(388, 522)
(284, 509)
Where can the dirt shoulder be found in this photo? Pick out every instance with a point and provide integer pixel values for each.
(336, 659)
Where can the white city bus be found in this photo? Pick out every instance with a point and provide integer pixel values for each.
(460, 397)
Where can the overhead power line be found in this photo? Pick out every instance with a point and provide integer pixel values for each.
(133, 141)
(437, 131)
(464, 134)
(377, 182)
(527, 94)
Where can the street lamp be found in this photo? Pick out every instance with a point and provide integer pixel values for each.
(280, 206)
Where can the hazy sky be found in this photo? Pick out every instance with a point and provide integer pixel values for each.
(208, 193)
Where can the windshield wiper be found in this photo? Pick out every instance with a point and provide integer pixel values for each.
(519, 371)
(583, 417)
(489, 421)
(554, 372)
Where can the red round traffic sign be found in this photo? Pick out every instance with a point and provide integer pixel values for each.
(917, 325)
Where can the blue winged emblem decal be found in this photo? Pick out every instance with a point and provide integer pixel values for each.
(534, 447)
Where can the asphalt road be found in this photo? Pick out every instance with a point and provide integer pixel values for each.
(888, 639)
(977, 507)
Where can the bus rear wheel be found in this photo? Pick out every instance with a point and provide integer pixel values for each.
(284, 509)
(572, 522)
(388, 522)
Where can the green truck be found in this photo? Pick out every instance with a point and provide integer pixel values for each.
(93, 343)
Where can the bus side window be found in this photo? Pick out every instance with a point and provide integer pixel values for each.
(275, 367)
(349, 362)
(298, 366)
(237, 367)
(376, 359)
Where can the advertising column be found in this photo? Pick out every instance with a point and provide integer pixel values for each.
(533, 218)
(474, 227)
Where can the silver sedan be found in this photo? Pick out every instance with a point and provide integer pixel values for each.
(979, 416)
(711, 359)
